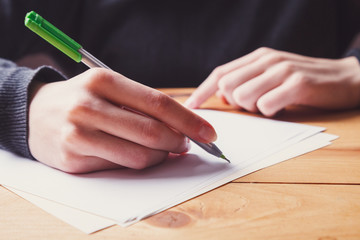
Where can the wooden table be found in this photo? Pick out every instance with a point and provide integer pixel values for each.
(314, 196)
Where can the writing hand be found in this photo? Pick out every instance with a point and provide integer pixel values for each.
(80, 125)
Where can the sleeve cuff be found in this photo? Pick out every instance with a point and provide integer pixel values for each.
(14, 105)
(354, 52)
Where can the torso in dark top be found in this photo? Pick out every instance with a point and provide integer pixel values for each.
(178, 43)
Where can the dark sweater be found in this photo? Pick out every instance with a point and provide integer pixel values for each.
(162, 43)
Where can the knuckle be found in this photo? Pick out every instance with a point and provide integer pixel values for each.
(69, 163)
(147, 158)
(70, 143)
(142, 160)
(286, 67)
(264, 50)
(158, 101)
(265, 107)
(82, 108)
(218, 72)
(274, 57)
(240, 96)
(149, 132)
(225, 84)
(97, 77)
(300, 81)
(70, 137)
(243, 100)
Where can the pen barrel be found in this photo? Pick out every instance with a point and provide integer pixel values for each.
(210, 148)
(53, 35)
(91, 61)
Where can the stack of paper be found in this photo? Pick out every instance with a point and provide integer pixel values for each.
(96, 200)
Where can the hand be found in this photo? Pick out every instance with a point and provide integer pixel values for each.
(267, 80)
(80, 125)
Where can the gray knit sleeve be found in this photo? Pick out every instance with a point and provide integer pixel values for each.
(14, 84)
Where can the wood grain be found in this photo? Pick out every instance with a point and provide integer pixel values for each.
(321, 166)
(234, 211)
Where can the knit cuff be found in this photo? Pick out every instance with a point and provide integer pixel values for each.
(14, 104)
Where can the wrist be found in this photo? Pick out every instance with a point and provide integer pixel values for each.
(351, 66)
(34, 87)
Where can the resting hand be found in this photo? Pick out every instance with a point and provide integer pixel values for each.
(80, 125)
(268, 80)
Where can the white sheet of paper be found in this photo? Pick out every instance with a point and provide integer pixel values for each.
(89, 223)
(126, 195)
(85, 222)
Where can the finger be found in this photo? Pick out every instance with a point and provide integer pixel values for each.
(203, 92)
(270, 59)
(278, 98)
(238, 71)
(210, 85)
(110, 148)
(123, 91)
(236, 78)
(131, 126)
(84, 164)
(247, 94)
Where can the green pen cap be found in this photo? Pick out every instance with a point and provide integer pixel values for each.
(53, 35)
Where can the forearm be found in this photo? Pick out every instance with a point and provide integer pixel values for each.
(14, 98)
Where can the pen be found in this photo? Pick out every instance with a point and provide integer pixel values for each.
(75, 51)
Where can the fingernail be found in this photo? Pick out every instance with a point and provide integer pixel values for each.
(207, 133)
